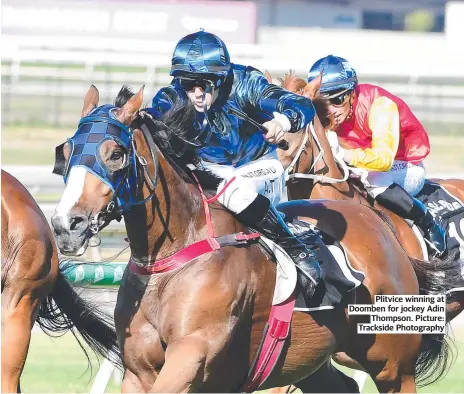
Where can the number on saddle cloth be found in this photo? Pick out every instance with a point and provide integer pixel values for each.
(449, 212)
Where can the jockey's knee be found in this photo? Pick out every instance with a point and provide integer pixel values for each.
(238, 195)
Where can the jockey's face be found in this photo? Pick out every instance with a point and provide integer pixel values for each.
(196, 97)
(340, 107)
(197, 92)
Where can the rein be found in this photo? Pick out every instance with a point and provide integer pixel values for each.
(315, 177)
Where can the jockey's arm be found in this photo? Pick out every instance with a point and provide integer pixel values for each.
(384, 122)
(294, 112)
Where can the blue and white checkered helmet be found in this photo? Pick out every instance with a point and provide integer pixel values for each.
(338, 74)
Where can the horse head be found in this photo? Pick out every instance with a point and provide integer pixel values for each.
(309, 150)
(310, 90)
(110, 167)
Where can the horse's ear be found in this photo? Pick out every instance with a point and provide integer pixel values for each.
(312, 88)
(127, 113)
(268, 76)
(90, 101)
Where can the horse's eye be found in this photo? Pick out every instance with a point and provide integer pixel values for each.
(116, 155)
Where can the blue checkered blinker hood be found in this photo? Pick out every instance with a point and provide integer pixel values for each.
(96, 128)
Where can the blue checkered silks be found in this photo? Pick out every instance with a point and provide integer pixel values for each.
(338, 74)
(99, 126)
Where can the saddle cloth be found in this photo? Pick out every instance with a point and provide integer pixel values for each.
(448, 211)
(338, 276)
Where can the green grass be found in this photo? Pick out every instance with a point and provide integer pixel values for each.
(58, 365)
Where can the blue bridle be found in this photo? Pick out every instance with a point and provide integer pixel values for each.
(99, 126)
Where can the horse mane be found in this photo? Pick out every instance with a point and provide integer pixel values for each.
(299, 86)
(172, 134)
(293, 83)
(124, 95)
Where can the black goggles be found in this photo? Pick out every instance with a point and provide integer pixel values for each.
(189, 84)
(340, 99)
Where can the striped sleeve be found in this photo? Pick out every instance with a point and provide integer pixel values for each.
(384, 122)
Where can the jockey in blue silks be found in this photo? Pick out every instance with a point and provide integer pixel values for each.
(232, 147)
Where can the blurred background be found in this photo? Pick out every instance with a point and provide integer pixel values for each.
(52, 51)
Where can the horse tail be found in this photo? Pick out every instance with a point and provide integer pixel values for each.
(436, 356)
(65, 310)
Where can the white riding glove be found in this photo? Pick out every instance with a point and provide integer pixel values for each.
(337, 150)
(277, 127)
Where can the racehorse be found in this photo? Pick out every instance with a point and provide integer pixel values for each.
(310, 151)
(184, 316)
(34, 288)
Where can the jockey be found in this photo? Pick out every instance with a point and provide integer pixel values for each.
(382, 136)
(231, 147)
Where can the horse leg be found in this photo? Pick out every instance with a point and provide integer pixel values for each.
(19, 311)
(328, 379)
(131, 383)
(391, 367)
(184, 368)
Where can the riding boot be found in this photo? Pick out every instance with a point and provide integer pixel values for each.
(399, 201)
(273, 226)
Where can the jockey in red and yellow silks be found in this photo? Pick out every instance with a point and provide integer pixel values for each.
(382, 129)
(381, 135)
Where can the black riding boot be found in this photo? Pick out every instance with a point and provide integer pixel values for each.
(272, 226)
(399, 201)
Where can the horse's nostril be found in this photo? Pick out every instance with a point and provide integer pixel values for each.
(78, 222)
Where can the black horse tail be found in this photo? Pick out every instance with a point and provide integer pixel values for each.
(65, 310)
(437, 354)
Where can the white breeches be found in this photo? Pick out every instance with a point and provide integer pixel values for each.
(265, 176)
(410, 176)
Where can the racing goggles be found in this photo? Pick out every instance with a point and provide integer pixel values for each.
(188, 84)
(339, 98)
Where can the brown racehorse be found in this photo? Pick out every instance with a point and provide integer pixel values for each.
(304, 151)
(33, 286)
(335, 188)
(197, 327)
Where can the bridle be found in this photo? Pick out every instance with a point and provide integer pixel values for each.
(114, 210)
(315, 177)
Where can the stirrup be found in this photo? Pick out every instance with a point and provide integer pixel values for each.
(433, 250)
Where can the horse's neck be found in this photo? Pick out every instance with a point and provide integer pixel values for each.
(326, 166)
(169, 221)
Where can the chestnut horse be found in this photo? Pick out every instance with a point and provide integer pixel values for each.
(197, 327)
(329, 179)
(33, 286)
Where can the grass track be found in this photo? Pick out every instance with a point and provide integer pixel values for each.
(58, 366)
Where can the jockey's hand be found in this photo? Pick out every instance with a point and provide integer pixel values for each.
(276, 131)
